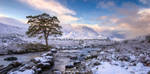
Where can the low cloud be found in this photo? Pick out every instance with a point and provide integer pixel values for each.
(138, 24)
(128, 21)
(108, 20)
(133, 23)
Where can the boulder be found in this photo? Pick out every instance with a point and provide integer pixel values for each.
(96, 63)
(10, 58)
(74, 57)
(70, 65)
(9, 67)
(91, 56)
(48, 54)
(55, 71)
(44, 66)
(123, 58)
(77, 62)
(53, 50)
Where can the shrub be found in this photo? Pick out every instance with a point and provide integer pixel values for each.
(36, 47)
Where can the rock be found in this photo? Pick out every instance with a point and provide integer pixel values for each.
(44, 66)
(55, 71)
(53, 50)
(16, 64)
(133, 63)
(69, 66)
(82, 55)
(74, 57)
(44, 59)
(38, 70)
(48, 54)
(146, 63)
(90, 57)
(77, 62)
(9, 67)
(1, 66)
(10, 58)
(96, 63)
(148, 72)
(51, 62)
(123, 58)
(35, 61)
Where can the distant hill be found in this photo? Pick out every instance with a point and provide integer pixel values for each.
(8, 29)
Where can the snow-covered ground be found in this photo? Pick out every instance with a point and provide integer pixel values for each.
(126, 57)
(108, 68)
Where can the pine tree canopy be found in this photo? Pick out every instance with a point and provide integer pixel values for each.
(43, 25)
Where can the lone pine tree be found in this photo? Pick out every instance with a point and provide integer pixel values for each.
(43, 26)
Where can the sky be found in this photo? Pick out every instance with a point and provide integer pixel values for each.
(119, 19)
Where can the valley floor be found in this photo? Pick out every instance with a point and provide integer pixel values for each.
(132, 57)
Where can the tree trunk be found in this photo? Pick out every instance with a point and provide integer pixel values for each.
(46, 42)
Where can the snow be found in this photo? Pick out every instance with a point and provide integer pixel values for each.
(107, 68)
(43, 59)
(118, 67)
(8, 29)
(23, 72)
(139, 69)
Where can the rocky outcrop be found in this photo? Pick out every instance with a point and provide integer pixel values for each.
(10, 58)
(36, 65)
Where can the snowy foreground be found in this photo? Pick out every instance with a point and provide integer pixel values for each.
(103, 64)
(90, 57)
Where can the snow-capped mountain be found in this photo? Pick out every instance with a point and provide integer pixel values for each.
(81, 32)
(10, 25)
(8, 29)
(13, 22)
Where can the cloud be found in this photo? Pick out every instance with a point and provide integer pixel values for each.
(105, 4)
(136, 24)
(108, 20)
(67, 18)
(146, 2)
(53, 7)
(128, 21)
